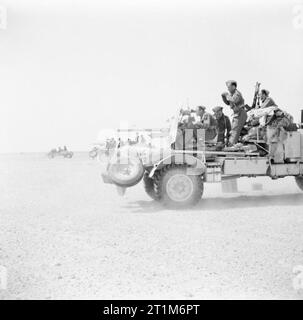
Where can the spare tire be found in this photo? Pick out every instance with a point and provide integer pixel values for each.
(126, 172)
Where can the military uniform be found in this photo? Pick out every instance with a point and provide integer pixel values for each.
(223, 127)
(236, 102)
(233, 100)
(238, 122)
(268, 102)
(209, 123)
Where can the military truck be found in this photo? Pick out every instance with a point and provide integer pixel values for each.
(174, 173)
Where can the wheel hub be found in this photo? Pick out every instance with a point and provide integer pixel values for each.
(179, 187)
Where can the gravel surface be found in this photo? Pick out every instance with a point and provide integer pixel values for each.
(64, 234)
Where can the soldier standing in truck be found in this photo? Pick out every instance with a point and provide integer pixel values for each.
(235, 100)
(223, 126)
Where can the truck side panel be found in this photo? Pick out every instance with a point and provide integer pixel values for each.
(287, 169)
(292, 146)
(246, 166)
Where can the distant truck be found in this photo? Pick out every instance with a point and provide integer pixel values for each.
(63, 153)
(175, 176)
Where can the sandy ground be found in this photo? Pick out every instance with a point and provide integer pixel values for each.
(64, 234)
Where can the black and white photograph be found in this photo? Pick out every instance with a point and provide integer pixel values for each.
(151, 150)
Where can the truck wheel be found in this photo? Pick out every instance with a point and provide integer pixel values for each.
(299, 180)
(126, 172)
(149, 186)
(177, 189)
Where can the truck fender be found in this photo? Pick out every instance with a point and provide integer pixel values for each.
(195, 165)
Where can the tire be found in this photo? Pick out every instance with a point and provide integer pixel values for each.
(126, 172)
(149, 186)
(171, 177)
(93, 154)
(299, 181)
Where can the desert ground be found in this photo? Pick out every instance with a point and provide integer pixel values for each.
(64, 234)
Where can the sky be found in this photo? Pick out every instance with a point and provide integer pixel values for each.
(69, 69)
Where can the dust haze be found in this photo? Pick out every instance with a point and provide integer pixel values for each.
(64, 234)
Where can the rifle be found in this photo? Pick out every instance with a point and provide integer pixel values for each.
(256, 100)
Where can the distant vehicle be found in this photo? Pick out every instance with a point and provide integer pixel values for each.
(61, 152)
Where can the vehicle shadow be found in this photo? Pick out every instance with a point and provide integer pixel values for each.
(144, 206)
(224, 203)
(251, 201)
